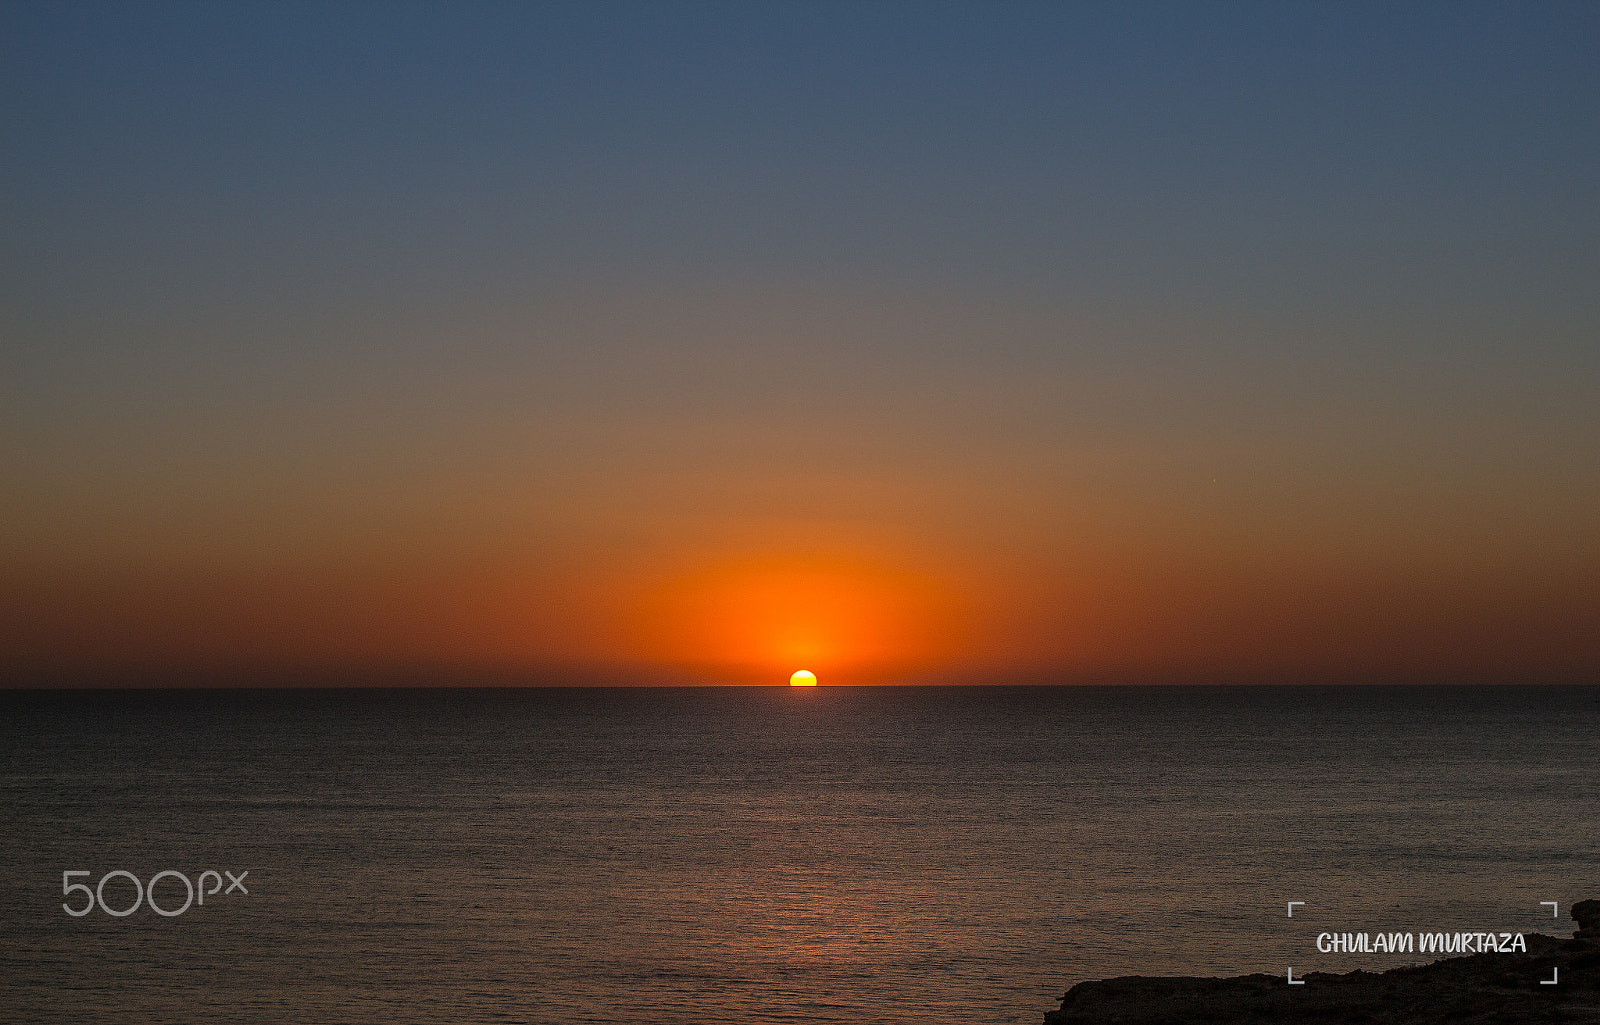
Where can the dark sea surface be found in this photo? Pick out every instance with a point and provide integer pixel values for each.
(762, 855)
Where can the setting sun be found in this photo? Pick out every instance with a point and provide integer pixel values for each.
(803, 678)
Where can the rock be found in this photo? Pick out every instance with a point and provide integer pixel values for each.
(1475, 990)
(1587, 914)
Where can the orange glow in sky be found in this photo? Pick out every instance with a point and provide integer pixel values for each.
(757, 618)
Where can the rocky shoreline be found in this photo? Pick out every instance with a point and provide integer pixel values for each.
(1481, 988)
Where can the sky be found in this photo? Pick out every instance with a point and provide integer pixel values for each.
(699, 343)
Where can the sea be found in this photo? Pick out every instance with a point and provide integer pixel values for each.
(754, 855)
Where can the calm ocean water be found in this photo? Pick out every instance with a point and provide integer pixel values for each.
(719, 855)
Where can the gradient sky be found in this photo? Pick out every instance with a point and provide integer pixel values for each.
(702, 342)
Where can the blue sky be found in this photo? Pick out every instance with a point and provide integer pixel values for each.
(568, 285)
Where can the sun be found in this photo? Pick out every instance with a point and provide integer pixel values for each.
(803, 678)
